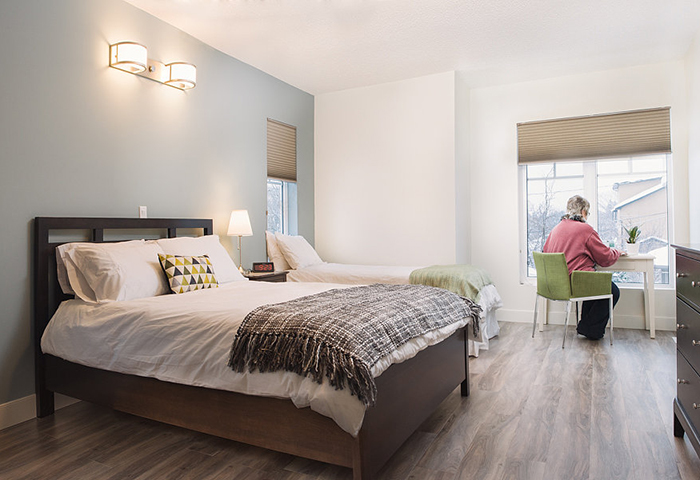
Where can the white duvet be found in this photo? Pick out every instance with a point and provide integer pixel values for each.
(187, 338)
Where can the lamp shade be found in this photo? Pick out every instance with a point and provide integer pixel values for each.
(181, 75)
(240, 224)
(128, 56)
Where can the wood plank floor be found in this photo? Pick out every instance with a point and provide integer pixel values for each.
(536, 411)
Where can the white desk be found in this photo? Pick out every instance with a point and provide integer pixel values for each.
(644, 263)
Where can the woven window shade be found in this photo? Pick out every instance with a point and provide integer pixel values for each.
(281, 151)
(638, 132)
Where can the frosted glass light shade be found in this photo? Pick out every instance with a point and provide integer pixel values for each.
(240, 224)
(128, 56)
(181, 75)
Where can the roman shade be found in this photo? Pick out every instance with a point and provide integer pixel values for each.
(281, 151)
(624, 134)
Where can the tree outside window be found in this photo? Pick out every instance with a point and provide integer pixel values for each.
(281, 206)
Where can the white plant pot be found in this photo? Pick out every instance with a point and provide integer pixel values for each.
(632, 249)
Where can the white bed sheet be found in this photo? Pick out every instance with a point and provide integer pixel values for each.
(351, 274)
(489, 300)
(187, 338)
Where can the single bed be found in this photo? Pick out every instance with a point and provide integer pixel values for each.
(407, 392)
(302, 264)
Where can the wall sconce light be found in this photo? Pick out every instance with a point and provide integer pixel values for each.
(181, 75)
(128, 56)
(133, 58)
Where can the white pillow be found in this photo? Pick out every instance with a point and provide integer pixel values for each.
(297, 251)
(224, 268)
(275, 254)
(62, 267)
(115, 271)
(70, 278)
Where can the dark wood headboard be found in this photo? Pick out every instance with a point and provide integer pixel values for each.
(47, 291)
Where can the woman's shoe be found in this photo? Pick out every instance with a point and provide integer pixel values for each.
(589, 336)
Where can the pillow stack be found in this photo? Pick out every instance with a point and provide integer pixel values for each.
(275, 254)
(113, 272)
(209, 245)
(290, 251)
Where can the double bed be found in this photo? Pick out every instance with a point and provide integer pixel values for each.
(174, 389)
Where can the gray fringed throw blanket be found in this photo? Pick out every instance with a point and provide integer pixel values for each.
(342, 333)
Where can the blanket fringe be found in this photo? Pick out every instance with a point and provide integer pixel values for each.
(474, 313)
(305, 356)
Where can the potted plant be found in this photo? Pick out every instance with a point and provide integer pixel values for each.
(632, 237)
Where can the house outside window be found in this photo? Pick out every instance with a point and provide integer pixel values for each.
(623, 192)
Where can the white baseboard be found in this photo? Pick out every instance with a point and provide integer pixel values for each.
(23, 409)
(557, 318)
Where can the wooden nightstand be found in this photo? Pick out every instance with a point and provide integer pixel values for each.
(267, 276)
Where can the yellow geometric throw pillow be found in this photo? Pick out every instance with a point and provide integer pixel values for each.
(188, 273)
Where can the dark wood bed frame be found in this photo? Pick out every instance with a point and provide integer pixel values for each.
(407, 392)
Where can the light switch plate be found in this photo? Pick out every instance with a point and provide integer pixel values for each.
(143, 212)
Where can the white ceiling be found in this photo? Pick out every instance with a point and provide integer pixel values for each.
(323, 46)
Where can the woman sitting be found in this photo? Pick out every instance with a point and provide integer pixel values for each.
(583, 250)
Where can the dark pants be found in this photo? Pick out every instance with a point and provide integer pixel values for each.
(595, 315)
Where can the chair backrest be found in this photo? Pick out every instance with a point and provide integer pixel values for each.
(552, 276)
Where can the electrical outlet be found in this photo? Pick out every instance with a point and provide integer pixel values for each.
(143, 212)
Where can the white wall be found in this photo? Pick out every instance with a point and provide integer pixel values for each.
(455, 197)
(495, 111)
(693, 79)
(463, 201)
(385, 173)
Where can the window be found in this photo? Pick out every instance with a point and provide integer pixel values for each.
(623, 192)
(281, 206)
(281, 177)
(618, 161)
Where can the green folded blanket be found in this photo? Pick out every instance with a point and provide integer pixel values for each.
(465, 280)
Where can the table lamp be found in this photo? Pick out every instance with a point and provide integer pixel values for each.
(239, 226)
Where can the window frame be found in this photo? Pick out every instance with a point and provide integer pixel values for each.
(590, 181)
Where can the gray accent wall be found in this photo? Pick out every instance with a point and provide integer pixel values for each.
(78, 138)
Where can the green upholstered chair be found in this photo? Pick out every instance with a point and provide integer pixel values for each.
(555, 283)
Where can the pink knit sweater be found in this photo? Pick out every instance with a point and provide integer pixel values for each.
(581, 246)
